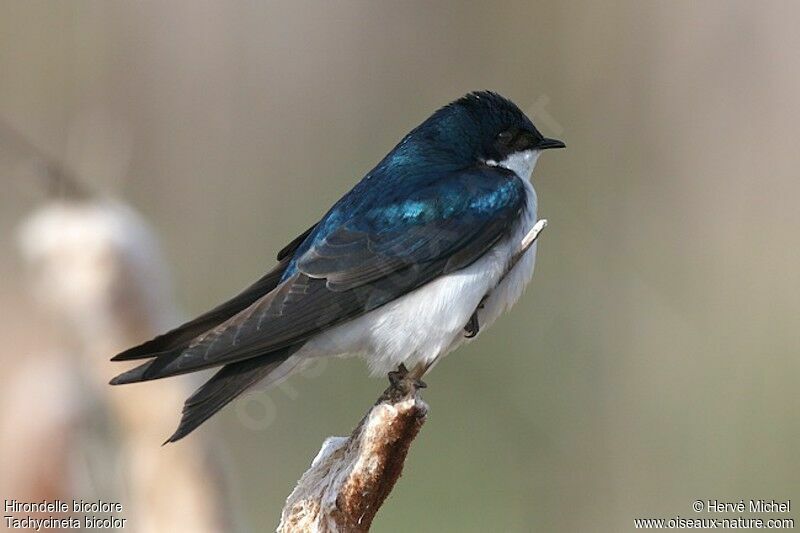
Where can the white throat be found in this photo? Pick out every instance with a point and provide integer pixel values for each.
(520, 163)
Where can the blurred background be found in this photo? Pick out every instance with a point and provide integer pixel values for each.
(654, 358)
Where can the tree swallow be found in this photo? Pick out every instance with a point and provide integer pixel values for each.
(404, 268)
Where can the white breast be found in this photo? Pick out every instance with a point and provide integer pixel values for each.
(429, 322)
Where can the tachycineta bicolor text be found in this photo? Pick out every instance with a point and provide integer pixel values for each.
(405, 267)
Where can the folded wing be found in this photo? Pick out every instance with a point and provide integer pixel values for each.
(362, 255)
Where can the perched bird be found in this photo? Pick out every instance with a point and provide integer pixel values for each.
(405, 267)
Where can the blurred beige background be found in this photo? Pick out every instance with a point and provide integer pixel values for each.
(653, 360)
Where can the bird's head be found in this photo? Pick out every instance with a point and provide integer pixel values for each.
(479, 128)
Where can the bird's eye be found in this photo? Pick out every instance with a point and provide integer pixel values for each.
(504, 137)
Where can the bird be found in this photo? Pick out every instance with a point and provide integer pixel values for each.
(415, 260)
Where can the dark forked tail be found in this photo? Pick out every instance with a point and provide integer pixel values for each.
(231, 381)
(259, 363)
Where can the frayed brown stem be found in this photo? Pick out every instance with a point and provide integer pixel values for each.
(351, 476)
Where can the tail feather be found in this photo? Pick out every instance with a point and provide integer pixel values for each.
(182, 335)
(232, 380)
(149, 370)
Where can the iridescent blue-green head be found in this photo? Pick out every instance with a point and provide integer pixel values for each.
(479, 128)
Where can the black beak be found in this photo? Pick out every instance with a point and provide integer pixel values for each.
(546, 144)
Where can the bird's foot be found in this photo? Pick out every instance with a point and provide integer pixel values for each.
(406, 381)
(396, 376)
(473, 326)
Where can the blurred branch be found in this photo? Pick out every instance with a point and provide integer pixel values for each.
(61, 181)
(97, 271)
(351, 476)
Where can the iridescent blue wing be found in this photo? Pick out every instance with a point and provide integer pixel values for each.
(368, 250)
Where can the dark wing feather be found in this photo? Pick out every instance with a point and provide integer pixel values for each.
(358, 266)
(182, 335)
(366, 257)
(224, 386)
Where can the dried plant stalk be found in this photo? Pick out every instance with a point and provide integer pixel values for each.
(352, 476)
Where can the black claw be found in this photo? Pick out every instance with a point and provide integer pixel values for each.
(473, 327)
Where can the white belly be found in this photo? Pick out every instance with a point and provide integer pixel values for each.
(429, 322)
